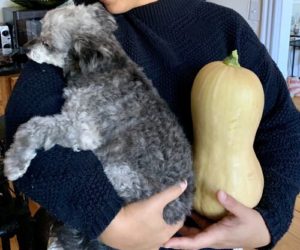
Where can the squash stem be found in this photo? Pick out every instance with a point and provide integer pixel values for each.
(233, 59)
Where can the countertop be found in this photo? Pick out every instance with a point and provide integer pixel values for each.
(11, 63)
(10, 69)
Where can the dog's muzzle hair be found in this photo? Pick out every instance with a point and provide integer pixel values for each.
(110, 108)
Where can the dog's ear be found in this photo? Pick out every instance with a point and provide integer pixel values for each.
(93, 54)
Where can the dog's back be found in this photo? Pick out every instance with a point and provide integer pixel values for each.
(143, 148)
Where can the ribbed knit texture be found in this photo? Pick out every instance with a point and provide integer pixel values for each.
(171, 40)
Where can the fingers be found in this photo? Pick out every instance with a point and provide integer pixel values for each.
(231, 204)
(199, 241)
(171, 193)
(209, 238)
(225, 233)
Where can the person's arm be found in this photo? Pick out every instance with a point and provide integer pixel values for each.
(277, 141)
(72, 186)
(277, 146)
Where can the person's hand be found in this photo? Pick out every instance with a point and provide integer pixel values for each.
(140, 225)
(242, 227)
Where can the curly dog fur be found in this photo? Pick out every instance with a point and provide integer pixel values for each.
(110, 108)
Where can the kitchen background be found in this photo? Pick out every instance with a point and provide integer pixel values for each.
(275, 22)
(271, 20)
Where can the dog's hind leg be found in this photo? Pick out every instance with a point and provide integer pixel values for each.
(63, 237)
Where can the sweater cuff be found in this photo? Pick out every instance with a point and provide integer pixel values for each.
(99, 209)
(276, 208)
(273, 225)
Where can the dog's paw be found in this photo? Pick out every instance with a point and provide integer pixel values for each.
(76, 148)
(89, 139)
(89, 143)
(17, 163)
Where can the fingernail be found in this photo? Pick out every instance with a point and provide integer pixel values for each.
(183, 184)
(172, 247)
(166, 246)
(222, 195)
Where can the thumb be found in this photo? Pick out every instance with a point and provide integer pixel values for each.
(170, 194)
(231, 204)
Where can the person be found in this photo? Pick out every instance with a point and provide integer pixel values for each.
(172, 40)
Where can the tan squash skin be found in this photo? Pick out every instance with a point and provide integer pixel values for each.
(227, 105)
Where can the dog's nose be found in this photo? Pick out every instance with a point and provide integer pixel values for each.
(28, 46)
(26, 50)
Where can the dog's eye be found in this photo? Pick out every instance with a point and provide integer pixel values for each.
(46, 44)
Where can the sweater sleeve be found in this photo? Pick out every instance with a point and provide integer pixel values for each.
(72, 186)
(277, 140)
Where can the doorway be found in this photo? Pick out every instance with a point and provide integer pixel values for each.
(276, 16)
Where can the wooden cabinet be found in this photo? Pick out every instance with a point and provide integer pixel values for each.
(13, 80)
(291, 240)
(296, 101)
(6, 85)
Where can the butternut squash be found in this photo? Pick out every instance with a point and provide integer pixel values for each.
(227, 103)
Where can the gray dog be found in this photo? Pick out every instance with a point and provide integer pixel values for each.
(110, 108)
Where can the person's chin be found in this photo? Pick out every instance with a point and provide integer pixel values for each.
(122, 6)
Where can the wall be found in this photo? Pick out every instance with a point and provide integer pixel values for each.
(296, 14)
(4, 3)
(272, 26)
(243, 8)
(295, 20)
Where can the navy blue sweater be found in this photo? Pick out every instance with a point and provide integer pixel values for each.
(171, 40)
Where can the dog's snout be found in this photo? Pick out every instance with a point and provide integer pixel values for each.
(26, 50)
(28, 46)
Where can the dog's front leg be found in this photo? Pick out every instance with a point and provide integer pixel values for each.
(45, 132)
(37, 133)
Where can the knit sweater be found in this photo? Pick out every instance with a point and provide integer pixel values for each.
(172, 40)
